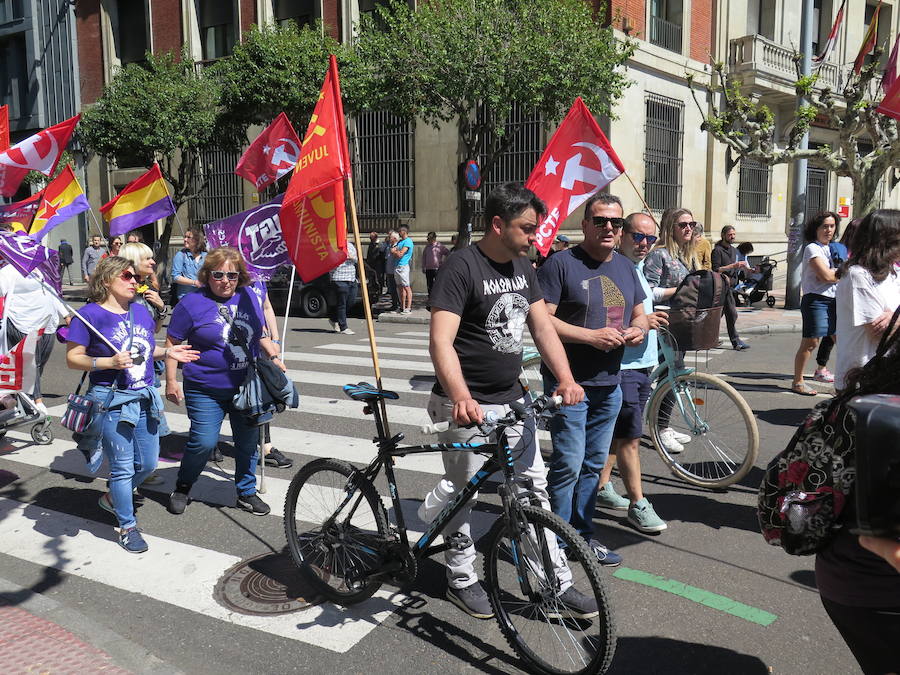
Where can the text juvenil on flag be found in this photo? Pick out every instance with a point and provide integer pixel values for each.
(62, 199)
(566, 176)
(142, 201)
(312, 215)
(40, 152)
(272, 155)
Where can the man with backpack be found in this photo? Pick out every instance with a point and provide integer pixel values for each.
(724, 260)
(595, 300)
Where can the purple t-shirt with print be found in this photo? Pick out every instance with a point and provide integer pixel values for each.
(223, 359)
(138, 339)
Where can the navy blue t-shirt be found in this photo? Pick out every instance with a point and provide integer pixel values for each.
(593, 295)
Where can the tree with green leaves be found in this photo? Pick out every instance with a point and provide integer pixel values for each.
(162, 110)
(471, 63)
(274, 69)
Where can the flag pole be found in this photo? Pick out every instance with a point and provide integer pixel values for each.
(180, 226)
(641, 197)
(287, 310)
(74, 311)
(367, 308)
(96, 223)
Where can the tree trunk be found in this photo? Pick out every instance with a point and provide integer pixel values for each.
(865, 194)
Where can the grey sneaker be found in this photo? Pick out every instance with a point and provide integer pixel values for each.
(472, 600)
(608, 498)
(574, 604)
(644, 518)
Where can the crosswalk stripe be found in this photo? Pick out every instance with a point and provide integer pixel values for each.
(176, 573)
(424, 367)
(405, 351)
(416, 385)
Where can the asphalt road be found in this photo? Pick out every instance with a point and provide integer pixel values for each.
(54, 540)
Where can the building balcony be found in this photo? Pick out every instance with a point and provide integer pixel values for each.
(768, 68)
(665, 34)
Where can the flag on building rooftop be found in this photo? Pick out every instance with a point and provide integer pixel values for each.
(577, 162)
(313, 220)
(272, 155)
(868, 42)
(142, 201)
(822, 56)
(40, 152)
(890, 70)
(62, 199)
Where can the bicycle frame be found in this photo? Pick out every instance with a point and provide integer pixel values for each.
(667, 370)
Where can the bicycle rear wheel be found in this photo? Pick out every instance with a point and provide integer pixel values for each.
(336, 526)
(724, 438)
(529, 578)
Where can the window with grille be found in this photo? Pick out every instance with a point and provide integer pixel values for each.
(666, 17)
(754, 188)
(131, 36)
(216, 21)
(224, 194)
(664, 138)
(516, 162)
(816, 191)
(383, 150)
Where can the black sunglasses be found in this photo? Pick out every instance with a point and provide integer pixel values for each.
(218, 275)
(640, 236)
(691, 224)
(601, 221)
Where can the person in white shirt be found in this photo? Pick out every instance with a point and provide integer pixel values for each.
(868, 291)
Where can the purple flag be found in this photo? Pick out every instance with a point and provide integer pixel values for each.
(257, 235)
(23, 252)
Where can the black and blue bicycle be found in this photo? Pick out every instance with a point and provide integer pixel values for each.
(340, 536)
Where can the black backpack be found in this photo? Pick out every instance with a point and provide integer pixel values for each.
(696, 310)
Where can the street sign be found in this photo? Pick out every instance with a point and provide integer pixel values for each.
(473, 175)
(473, 195)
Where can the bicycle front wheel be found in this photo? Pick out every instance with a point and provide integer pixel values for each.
(554, 613)
(723, 437)
(336, 526)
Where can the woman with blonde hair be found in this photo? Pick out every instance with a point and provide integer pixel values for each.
(224, 321)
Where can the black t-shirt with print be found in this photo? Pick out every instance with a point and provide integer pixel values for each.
(492, 300)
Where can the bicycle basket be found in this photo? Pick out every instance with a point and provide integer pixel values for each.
(694, 329)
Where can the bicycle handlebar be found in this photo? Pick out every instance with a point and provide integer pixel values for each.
(518, 412)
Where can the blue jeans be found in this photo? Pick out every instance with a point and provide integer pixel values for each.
(346, 296)
(132, 453)
(206, 408)
(581, 436)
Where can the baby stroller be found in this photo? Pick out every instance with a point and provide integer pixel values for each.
(17, 373)
(756, 285)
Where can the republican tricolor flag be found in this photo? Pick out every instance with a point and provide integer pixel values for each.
(312, 215)
(62, 199)
(142, 201)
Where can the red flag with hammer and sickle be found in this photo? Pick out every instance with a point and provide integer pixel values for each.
(577, 162)
(273, 154)
(312, 215)
(40, 152)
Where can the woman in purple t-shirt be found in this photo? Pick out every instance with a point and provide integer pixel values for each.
(222, 320)
(121, 385)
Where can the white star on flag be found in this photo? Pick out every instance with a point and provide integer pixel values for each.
(550, 166)
(266, 149)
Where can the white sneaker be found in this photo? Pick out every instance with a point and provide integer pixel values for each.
(334, 326)
(347, 331)
(667, 438)
(407, 310)
(680, 437)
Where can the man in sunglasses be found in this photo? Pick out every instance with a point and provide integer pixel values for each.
(638, 237)
(595, 300)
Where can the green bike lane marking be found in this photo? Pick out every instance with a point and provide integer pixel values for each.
(698, 595)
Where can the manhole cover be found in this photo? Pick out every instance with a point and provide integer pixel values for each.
(264, 585)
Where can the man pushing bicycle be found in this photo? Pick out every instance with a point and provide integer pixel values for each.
(481, 302)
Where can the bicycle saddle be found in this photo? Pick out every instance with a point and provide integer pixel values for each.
(368, 392)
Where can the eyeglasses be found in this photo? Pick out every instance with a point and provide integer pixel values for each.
(640, 236)
(601, 221)
(691, 224)
(128, 276)
(218, 275)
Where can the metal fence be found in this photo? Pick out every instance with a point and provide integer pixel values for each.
(816, 191)
(224, 193)
(519, 158)
(665, 34)
(383, 150)
(664, 133)
(754, 188)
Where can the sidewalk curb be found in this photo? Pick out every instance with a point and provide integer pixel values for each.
(124, 653)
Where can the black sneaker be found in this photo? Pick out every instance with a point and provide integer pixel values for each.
(253, 504)
(216, 455)
(277, 459)
(178, 500)
(472, 600)
(573, 604)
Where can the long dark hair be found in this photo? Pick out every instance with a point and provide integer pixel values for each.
(809, 232)
(876, 243)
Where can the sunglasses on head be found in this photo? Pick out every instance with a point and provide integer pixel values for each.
(692, 224)
(640, 236)
(128, 276)
(218, 275)
(601, 221)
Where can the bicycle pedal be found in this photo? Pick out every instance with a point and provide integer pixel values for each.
(459, 541)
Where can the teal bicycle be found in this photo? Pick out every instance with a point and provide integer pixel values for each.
(721, 438)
